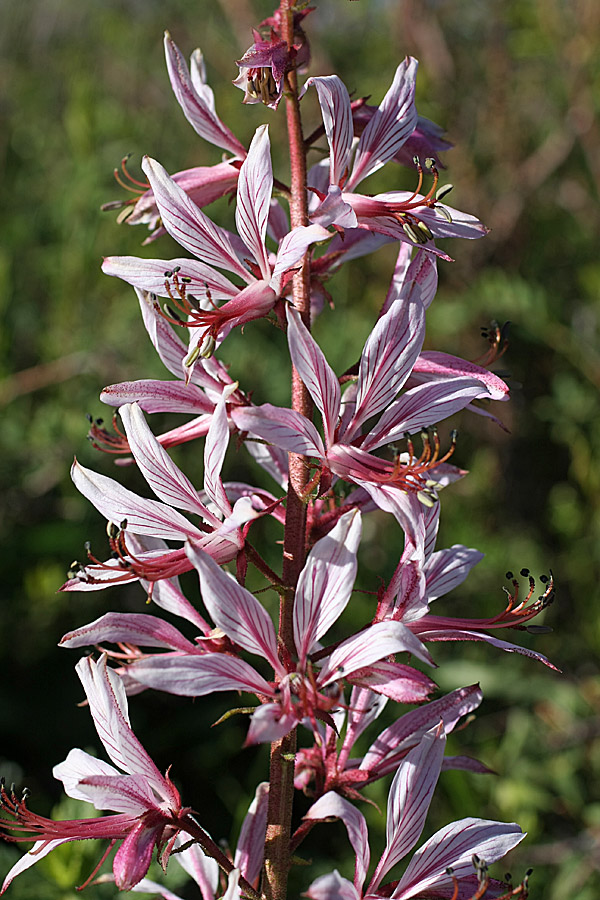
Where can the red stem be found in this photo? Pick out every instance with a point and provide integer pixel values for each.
(281, 789)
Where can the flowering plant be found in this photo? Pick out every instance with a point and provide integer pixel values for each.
(312, 693)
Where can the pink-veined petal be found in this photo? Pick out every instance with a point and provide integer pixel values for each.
(369, 646)
(235, 610)
(165, 478)
(196, 100)
(408, 730)
(283, 427)
(436, 364)
(446, 569)
(108, 706)
(409, 798)
(454, 846)
(195, 676)
(331, 805)
(427, 631)
(332, 887)
(391, 124)
(420, 273)
(401, 683)
(131, 628)
(325, 583)
(337, 120)
(268, 724)
(39, 850)
(155, 276)
(77, 766)
(203, 869)
(143, 516)
(315, 372)
(250, 851)
(189, 226)
(129, 794)
(422, 406)
(389, 355)
(132, 859)
(292, 248)
(154, 396)
(255, 184)
(215, 448)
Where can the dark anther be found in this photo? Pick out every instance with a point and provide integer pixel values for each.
(124, 525)
(186, 279)
(176, 270)
(89, 418)
(525, 573)
(112, 531)
(544, 579)
(99, 422)
(168, 274)
(449, 870)
(510, 576)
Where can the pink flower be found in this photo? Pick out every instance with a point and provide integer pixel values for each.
(391, 354)
(262, 68)
(194, 286)
(400, 215)
(148, 807)
(300, 690)
(151, 522)
(451, 848)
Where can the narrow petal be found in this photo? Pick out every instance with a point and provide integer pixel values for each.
(408, 730)
(255, 185)
(427, 631)
(154, 396)
(448, 568)
(130, 628)
(422, 406)
(215, 448)
(283, 427)
(39, 850)
(337, 120)
(331, 805)
(315, 372)
(143, 516)
(369, 646)
(108, 706)
(389, 356)
(165, 478)
(195, 676)
(132, 859)
(187, 224)
(196, 99)
(154, 275)
(292, 248)
(390, 125)
(235, 610)
(250, 850)
(436, 364)
(454, 846)
(203, 869)
(399, 682)
(326, 582)
(410, 795)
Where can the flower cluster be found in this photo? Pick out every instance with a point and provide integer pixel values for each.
(309, 678)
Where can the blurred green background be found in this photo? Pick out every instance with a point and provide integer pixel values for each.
(517, 85)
